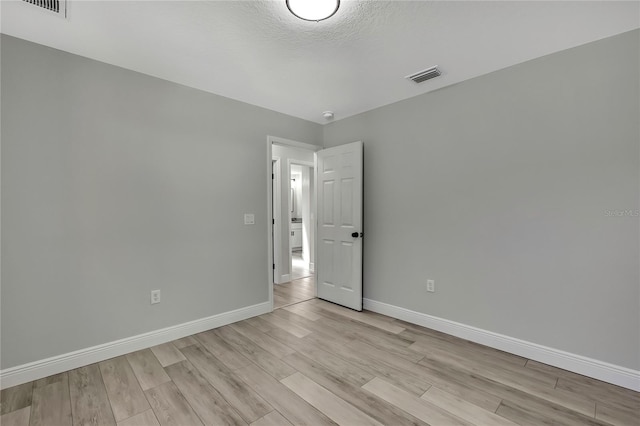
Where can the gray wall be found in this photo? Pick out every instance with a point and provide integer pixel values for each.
(115, 183)
(498, 188)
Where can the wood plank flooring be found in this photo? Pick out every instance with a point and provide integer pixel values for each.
(314, 363)
(294, 292)
(300, 268)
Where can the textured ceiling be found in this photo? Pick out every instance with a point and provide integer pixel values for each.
(257, 52)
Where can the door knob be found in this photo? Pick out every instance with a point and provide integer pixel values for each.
(356, 235)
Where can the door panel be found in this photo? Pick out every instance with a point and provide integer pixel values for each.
(339, 263)
(327, 196)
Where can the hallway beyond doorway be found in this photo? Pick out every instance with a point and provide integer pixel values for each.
(300, 268)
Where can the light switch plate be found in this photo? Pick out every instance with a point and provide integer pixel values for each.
(249, 219)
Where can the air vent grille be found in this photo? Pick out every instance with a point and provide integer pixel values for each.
(56, 6)
(425, 75)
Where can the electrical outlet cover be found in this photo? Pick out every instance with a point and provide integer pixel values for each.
(431, 286)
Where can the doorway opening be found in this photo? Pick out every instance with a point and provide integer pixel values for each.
(292, 210)
(301, 206)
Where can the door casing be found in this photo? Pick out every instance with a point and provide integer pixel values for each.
(270, 238)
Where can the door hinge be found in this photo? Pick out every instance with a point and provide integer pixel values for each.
(273, 221)
(274, 266)
(273, 176)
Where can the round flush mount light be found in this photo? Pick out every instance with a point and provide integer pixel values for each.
(313, 10)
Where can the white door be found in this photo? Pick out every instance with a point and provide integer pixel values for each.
(339, 237)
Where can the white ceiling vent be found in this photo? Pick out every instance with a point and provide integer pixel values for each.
(424, 75)
(59, 7)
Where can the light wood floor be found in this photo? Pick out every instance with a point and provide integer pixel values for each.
(315, 363)
(300, 269)
(294, 291)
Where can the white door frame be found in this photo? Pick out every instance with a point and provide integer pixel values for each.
(276, 206)
(270, 239)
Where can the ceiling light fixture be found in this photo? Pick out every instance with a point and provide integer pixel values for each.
(313, 10)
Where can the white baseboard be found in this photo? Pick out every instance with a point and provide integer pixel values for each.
(285, 278)
(38, 369)
(596, 369)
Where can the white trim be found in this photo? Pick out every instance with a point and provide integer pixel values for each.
(315, 221)
(289, 142)
(270, 241)
(276, 203)
(43, 368)
(590, 367)
(312, 266)
(285, 142)
(288, 254)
